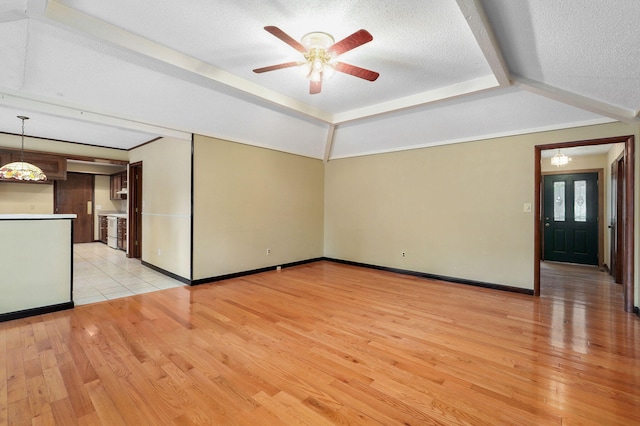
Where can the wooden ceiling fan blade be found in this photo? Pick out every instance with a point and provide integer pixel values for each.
(286, 38)
(315, 87)
(356, 39)
(357, 71)
(276, 67)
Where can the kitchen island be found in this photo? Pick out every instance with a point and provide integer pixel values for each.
(36, 264)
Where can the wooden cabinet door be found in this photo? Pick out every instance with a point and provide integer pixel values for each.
(118, 182)
(53, 166)
(104, 229)
(75, 196)
(116, 185)
(122, 233)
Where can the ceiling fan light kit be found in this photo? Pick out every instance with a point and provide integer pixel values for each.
(319, 64)
(320, 52)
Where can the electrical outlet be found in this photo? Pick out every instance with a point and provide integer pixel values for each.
(404, 254)
(268, 252)
(159, 252)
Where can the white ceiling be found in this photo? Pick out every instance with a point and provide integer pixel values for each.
(121, 73)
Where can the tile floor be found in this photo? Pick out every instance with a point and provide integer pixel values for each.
(102, 273)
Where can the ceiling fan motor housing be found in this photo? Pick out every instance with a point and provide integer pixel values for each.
(318, 66)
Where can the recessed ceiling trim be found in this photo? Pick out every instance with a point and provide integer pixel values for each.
(45, 107)
(482, 31)
(87, 25)
(478, 138)
(449, 92)
(575, 100)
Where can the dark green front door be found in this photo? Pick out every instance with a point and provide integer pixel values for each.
(570, 218)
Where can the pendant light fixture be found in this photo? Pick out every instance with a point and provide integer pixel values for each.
(560, 159)
(20, 170)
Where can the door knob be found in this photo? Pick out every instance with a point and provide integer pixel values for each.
(546, 225)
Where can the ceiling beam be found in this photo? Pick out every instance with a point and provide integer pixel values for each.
(18, 100)
(578, 101)
(11, 15)
(328, 146)
(483, 33)
(14, 10)
(36, 8)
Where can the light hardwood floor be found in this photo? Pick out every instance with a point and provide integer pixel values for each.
(327, 343)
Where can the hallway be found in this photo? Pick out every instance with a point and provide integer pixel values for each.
(584, 308)
(102, 273)
(580, 283)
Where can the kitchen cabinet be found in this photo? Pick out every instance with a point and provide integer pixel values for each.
(118, 184)
(54, 166)
(122, 233)
(104, 233)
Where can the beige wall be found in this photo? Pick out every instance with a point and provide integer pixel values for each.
(248, 200)
(456, 210)
(166, 210)
(28, 198)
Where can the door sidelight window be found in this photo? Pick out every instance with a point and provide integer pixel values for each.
(559, 201)
(580, 200)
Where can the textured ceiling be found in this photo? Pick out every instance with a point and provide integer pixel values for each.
(120, 73)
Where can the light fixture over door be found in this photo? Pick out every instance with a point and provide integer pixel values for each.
(560, 160)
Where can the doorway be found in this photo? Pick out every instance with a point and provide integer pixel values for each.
(75, 196)
(627, 219)
(615, 225)
(135, 211)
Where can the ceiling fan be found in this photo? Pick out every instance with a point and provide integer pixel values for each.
(320, 53)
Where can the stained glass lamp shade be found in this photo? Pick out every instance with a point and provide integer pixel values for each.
(20, 170)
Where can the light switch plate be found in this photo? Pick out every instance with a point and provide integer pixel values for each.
(526, 208)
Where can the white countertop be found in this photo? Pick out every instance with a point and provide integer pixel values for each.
(111, 213)
(36, 216)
